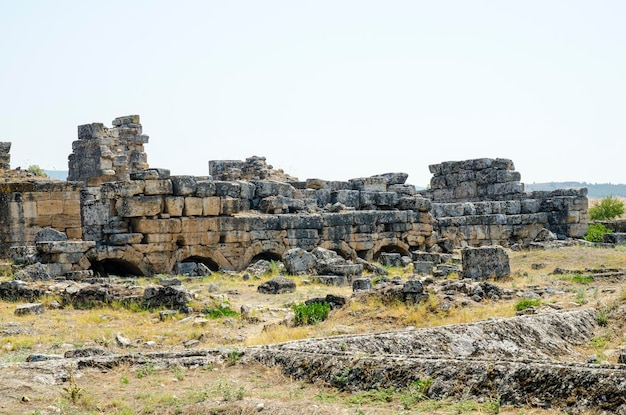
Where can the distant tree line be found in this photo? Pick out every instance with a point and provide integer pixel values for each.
(596, 190)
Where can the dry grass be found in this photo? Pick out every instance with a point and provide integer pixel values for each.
(239, 389)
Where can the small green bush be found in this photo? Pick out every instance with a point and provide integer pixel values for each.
(527, 303)
(582, 279)
(596, 231)
(36, 170)
(307, 314)
(609, 208)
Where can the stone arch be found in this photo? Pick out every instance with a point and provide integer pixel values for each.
(399, 247)
(212, 265)
(341, 248)
(125, 260)
(263, 250)
(210, 257)
(117, 267)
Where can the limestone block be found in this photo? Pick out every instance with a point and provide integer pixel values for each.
(485, 262)
(248, 190)
(174, 205)
(125, 238)
(149, 174)
(211, 206)
(43, 221)
(74, 233)
(31, 308)
(205, 188)
(195, 238)
(139, 206)
(466, 190)
(156, 238)
(59, 247)
(71, 207)
(300, 221)
(50, 207)
(349, 198)
(267, 188)
(114, 190)
(158, 187)
(402, 189)
(193, 206)
(299, 262)
(323, 196)
(147, 226)
(415, 240)
(65, 221)
(227, 189)
(146, 248)
(183, 185)
(191, 225)
(229, 206)
(369, 184)
(238, 237)
(394, 178)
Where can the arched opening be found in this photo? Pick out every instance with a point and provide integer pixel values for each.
(391, 249)
(212, 265)
(117, 267)
(268, 256)
(341, 253)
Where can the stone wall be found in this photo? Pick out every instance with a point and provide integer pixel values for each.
(5, 156)
(155, 220)
(253, 168)
(104, 154)
(481, 202)
(28, 207)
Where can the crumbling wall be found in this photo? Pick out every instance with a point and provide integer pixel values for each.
(482, 202)
(5, 156)
(104, 154)
(253, 168)
(155, 220)
(28, 207)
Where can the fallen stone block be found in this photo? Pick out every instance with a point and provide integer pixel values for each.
(30, 308)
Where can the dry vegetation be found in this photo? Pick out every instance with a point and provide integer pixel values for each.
(250, 388)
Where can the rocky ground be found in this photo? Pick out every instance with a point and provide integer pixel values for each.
(548, 339)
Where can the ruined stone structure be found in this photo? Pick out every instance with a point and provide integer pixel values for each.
(5, 156)
(482, 202)
(140, 220)
(107, 154)
(26, 207)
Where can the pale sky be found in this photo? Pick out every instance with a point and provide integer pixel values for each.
(325, 89)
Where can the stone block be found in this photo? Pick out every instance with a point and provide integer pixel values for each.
(227, 189)
(149, 174)
(137, 206)
(267, 188)
(174, 205)
(369, 184)
(423, 267)
(50, 207)
(211, 206)
(183, 185)
(158, 187)
(125, 238)
(65, 221)
(30, 308)
(114, 190)
(146, 226)
(349, 198)
(229, 206)
(205, 188)
(485, 262)
(193, 206)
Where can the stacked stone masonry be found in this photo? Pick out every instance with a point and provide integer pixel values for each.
(481, 202)
(119, 213)
(155, 220)
(107, 154)
(28, 207)
(5, 156)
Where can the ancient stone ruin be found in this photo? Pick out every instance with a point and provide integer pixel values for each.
(122, 217)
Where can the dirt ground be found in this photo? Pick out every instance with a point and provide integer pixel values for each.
(240, 386)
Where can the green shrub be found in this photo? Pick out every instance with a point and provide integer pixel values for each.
(527, 303)
(596, 231)
(609, 208)
(36, 170)
(306, 314)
